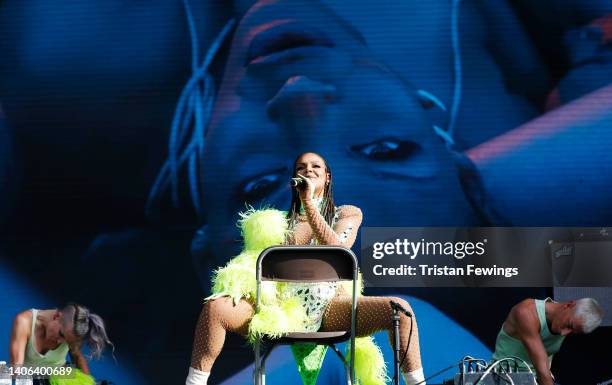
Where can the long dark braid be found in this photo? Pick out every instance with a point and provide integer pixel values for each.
(328, 211)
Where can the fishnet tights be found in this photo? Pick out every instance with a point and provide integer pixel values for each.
(374, 314)
(217, 317)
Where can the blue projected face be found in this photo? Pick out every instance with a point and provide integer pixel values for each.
(311, 84)
(89, 88)
(75, 85)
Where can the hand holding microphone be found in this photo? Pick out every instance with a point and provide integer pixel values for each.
(304, 186)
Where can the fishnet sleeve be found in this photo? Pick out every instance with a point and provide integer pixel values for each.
(301, 235)
(344, 231)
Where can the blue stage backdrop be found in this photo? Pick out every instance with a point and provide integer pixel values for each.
(133, 133)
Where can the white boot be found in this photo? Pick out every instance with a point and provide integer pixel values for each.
(197, 377)
(414, 377)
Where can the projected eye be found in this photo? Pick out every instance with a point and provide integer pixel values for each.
(263, 185)
(387, 149)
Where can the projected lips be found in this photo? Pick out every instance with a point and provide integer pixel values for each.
(562, 262)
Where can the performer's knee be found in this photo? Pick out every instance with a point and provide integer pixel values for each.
(232, 318)
(216, 308)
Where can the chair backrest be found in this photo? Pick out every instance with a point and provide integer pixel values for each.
(306, 264)
(309, 264)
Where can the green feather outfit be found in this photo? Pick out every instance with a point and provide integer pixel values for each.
(76, 378)
(280, 313)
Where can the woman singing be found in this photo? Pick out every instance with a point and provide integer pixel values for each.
(313, 218)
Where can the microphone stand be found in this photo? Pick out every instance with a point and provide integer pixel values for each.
(396, 340)
(397, 308)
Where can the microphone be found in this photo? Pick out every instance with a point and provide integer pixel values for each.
(396, 306)
(296, 182)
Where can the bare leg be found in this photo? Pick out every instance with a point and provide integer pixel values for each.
(218, 316)
(375, 314)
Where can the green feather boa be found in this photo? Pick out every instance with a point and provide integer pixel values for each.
(76, 378)
(279, 313)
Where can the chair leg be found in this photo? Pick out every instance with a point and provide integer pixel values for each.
(347, 367)
(347, 370)
(257, 376)
(259, 373)
(257, 370)
(262, 370)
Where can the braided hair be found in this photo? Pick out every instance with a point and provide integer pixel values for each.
(328, 210)
(86, 326)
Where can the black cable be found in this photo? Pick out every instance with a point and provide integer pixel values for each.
(439, 372)
(398, 307)
(445, 369)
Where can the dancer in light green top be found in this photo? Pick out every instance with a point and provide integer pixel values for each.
(53, 357)
(45, 337)
(535, 329)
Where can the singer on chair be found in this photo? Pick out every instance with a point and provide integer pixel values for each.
(313, 218)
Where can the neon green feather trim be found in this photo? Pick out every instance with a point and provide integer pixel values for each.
(76, 378)
(279, 313)
(262, 228)
(275, 320)
(370, 367)
(348, 285)
(295, 313)
(237, 278)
